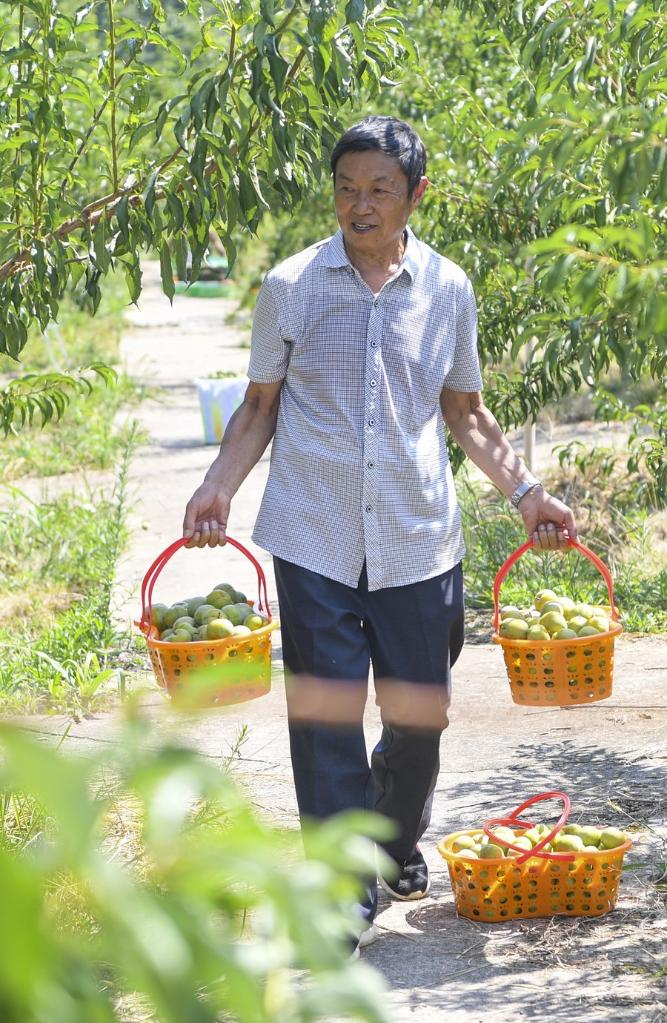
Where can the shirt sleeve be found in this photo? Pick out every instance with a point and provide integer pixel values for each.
(269, 351)
(464, 374)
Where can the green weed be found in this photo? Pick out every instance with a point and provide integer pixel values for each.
(82, 438)
(62, 658)
(620, 536)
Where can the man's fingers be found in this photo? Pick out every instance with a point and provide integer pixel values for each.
(548, 537)
(570, 524)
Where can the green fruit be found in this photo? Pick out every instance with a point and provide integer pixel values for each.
(180, 636)
(194, 603)
(566, 603)
(491, 852)
(502, 835)
(228, 587)
(241, 630)
(217, 598)
(463, 842)
(219, 628)
(206, 613)
(231, 611)
(157, 615)
(173, 613)
(585, 610)
(611, 838)
(468, 854)
(567, 843)
(523, 843)
(184, 620)
(254, 622)
(590, 848)
(239, 597)
(577, 622)
(534, 835)
(565, 634)
(553, 621)
(588, 630)
(601, 624)
(165, 636)
(552, 605)
(537, 633)
(590, 835)
(542, 596)
(571, 829)
(514, 628)
(510, 611)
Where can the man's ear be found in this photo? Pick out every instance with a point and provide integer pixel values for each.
(418, 193)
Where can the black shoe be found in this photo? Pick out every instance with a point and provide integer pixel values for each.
(412, 882)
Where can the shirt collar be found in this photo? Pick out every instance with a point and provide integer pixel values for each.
(333, 253)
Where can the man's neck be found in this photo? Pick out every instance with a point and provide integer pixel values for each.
(378, 264)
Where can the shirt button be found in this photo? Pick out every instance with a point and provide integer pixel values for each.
(371, 465)
(374, 344)
(371, 422)
(373, 382)
(368, 508)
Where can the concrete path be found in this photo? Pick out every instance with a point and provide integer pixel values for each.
(610, 757)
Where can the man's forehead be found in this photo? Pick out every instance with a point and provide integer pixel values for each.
(375, 177)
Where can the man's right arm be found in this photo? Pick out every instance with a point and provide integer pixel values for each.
(246, 437)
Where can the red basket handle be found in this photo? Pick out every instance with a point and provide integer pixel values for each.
(513, 820)
(155, 569)
(520, 551)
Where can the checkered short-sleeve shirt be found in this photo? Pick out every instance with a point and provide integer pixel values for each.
(359, 465)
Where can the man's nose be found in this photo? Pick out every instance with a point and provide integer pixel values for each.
(363, 202)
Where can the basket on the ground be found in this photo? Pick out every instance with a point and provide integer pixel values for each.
(242, 663)
(559, 672)
(535, 883)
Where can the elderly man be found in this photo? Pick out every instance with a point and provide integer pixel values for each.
(363, 350)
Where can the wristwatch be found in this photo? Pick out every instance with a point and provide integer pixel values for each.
(523, 489)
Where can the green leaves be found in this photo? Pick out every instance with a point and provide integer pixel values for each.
(137, 135)
(170, 931)
(44, 397)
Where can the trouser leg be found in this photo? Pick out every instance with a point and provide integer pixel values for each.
(415, 634)
(326, 658)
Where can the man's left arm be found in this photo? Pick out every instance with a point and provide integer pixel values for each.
(476, 431)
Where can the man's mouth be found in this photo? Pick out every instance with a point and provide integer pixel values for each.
(362, 228)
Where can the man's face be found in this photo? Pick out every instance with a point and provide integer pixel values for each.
(371, 200)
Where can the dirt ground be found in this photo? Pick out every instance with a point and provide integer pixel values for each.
(610, 756)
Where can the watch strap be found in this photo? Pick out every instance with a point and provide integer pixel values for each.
(524, 488)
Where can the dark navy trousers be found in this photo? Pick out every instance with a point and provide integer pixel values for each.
(332, 634)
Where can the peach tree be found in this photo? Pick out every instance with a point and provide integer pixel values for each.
(135, 127)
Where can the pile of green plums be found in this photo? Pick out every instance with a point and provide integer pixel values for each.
(573, 838)
(224, 612)
(553, 617)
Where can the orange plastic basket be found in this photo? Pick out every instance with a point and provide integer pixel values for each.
(559, 672)
(244, 661)
(535, 883)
